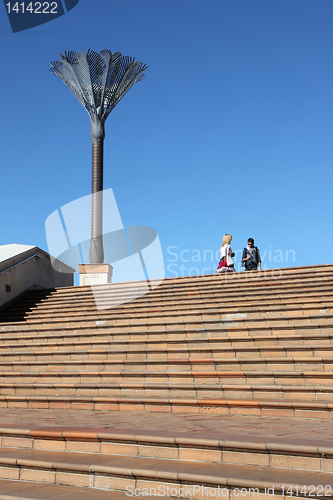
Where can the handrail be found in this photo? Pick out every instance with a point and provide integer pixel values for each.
(19, 263)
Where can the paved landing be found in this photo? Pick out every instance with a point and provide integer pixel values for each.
(263, 429)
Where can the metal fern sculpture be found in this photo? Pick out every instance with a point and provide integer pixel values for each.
(98, 81)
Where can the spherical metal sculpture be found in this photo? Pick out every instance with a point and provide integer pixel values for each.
(98, 81)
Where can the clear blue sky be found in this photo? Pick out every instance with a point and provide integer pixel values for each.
(230, 132)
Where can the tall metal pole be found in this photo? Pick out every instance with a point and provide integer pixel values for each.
(96, 255)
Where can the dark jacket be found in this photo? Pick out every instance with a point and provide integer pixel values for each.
(252, 263)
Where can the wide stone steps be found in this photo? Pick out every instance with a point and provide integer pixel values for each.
(167, 329)
(172, 286)
(295, 408)
(242, 315)
(257, 298)
(184, 364)
(237, 321)
(69, 455)
(201, 289)
(275, 277)
(99, 473)
(106, 335)
(320, 298)
(112, 470)
(213, 303)
(287, 378)
(172, 445)
(172, 354)
(171, 390)
(49, 344)
(255, 346)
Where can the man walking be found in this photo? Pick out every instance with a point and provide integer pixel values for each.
(251, 256)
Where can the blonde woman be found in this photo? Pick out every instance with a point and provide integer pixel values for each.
(226, 254)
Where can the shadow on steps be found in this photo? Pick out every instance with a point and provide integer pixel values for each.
(18, 309)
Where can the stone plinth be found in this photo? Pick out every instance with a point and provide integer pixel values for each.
(95, 274)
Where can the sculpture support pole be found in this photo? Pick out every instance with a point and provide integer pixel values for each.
(96, 255)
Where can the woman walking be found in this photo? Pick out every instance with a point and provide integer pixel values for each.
(226, 262)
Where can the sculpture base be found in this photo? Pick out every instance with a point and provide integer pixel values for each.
(95, 274)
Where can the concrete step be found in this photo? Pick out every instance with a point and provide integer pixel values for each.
(198, 286)
(223, 448)
(255, 302)
(198, 283)
(217, 313)
(256, 345)
(127, 474)
(172, 354)
(171, 390)
(295, 408)
(250, 313)
(186, 364)
(163, 357)
(182, 328)
(303, 446)
(268, 297)
(99, 332)
(50, 342)
(293, 377)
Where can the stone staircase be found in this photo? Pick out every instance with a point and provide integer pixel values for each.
(196, 353)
